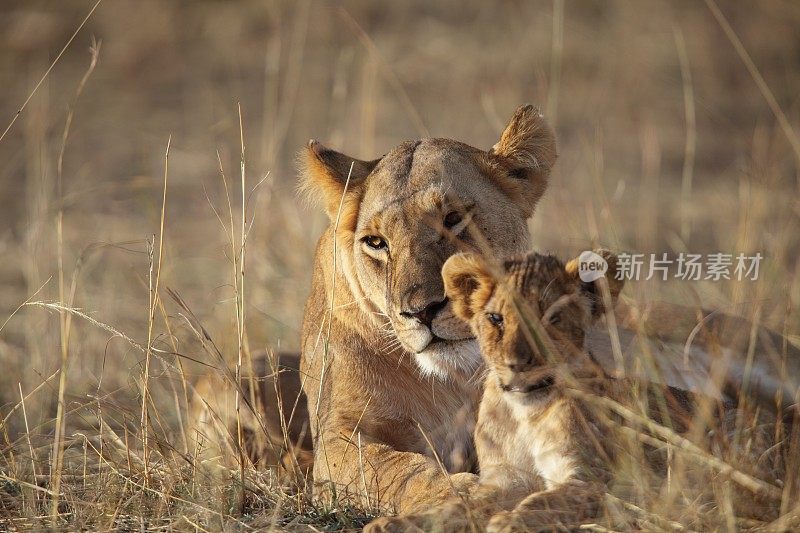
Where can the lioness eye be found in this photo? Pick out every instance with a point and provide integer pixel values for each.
(375, 242)
(452, 219)
(555, 319)
(495, 318)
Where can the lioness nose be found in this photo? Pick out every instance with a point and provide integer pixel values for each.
(426, 314)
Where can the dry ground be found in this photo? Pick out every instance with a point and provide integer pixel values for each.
(668, 143)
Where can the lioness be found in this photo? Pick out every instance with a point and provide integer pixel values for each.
(387, 365)
(385, 362)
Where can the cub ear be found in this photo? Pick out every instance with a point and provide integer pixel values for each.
(325, 173)
(592, 289)
(527, 150)
(468, 283)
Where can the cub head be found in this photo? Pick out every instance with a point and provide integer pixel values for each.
(529, 316)
(397, 219)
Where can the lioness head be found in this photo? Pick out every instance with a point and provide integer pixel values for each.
(530, 318)
(398, 218)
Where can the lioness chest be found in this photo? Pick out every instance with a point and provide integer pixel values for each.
(436, 420)
(444, 424)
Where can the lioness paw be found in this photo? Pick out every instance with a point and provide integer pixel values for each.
(515, 521)
(392, 524)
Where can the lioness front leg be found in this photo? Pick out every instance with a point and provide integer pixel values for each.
(384, 478)
(465, 512)
(453, 516)
(568, 505)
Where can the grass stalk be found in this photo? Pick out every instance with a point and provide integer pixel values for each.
(690, 144)
(49, 69)
(556, 53)
(239, 287)
(151, 316)
(65, 319)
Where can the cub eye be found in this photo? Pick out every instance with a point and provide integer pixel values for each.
(375, 242)
(495, 318)
(452, 219)
(555, 319)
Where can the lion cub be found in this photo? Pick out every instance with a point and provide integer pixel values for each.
(539, 437)
(530, 322)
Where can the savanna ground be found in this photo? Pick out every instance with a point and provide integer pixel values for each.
(669, 141)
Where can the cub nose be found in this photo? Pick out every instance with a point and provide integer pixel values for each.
(426, 315)
(520, 366)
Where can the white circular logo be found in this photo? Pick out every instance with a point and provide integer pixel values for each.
(591, 266)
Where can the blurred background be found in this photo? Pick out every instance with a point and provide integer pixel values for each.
(667, 144)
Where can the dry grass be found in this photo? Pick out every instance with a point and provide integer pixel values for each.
(676, 132)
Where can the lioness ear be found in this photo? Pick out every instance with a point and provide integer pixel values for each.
(325, 174)
(527, 150)
(468, 283)
(592, 289)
